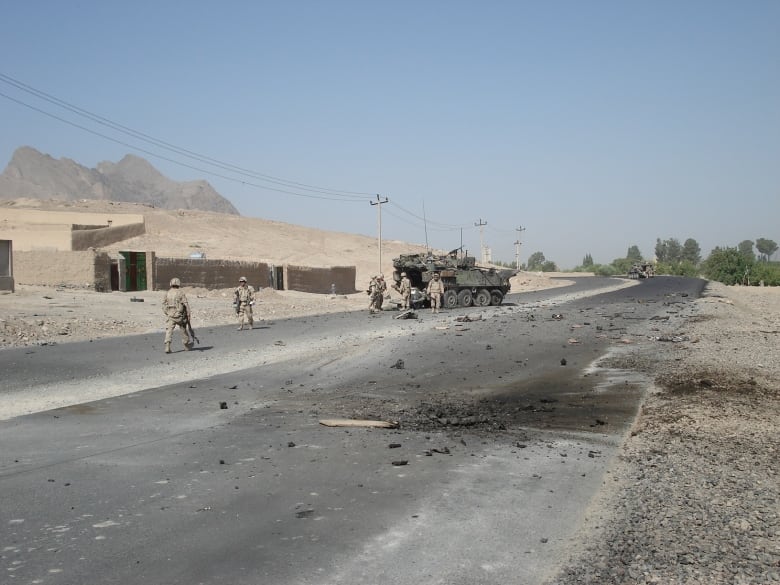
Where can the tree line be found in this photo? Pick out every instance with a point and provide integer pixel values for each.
(731, 265)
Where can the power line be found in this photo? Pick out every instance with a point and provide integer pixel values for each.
(161, 157)
(166, 145)
(292, 187)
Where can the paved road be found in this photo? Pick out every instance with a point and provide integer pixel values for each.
(156, 483)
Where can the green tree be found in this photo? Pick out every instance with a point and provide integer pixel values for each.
(673, 250)
(549, 266)
(587, 262)
(766, 248)
(728, 265)
(634, 254)
(622, 265)
(691, 252)
(668, 251)
(745, 248)
(535, 261)
(660, 250)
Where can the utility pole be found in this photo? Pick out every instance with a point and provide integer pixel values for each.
(517, 247)
(480, 225)
(378, 204)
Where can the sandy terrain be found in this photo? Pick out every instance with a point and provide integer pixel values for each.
(693, 497)
(36, 314)
(46, 315)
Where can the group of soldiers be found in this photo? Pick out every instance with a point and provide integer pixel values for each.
(377, 289)
(176, 308)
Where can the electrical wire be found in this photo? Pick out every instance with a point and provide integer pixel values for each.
(166, 145)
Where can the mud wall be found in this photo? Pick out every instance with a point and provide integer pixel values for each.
(6, 265)
(320, 280)
(28, 237)
(210, 274)
(85, 269)
(36, 216)
(83, 239)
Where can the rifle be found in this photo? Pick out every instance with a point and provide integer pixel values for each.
(190, 330)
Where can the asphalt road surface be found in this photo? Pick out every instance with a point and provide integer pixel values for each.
(211, 466)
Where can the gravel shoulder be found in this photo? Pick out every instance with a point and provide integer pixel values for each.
(693, 496)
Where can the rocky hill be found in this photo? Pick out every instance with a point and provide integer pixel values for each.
(32, 174)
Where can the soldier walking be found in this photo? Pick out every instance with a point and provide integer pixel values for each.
(245, 299)
(177, 313)
(435, 291)
(405, 288)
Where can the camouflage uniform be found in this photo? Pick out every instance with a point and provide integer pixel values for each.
(405, 289)
(177, 312)
(376, 293)
(382, 289)
(435, 291)
(245, 298)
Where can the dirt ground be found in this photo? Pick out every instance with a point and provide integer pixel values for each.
(44, 315)
(693, 496)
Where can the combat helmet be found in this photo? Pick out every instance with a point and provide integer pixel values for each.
(175, 282)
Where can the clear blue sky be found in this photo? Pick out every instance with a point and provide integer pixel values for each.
(594, 125)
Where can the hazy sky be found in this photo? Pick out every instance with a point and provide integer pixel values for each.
(593, 125)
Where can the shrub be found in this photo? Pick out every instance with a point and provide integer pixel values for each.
(769, 273)
(728, 265)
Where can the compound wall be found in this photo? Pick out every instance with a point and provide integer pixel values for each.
(87, 269)
(320, 280)
(83, 239)
(64, 231)
(210, 274)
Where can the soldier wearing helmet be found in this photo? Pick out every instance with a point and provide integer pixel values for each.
(405, 288)
(244, 300)
(435, 292)
(376, 291)
(177, 313)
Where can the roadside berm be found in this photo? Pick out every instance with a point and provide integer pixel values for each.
(694, 496)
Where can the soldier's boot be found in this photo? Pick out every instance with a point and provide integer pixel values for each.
(188, 345)
(167, 347)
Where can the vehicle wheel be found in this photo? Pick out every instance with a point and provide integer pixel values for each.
(496, 297)
(450, 300)
(482, 298)
(465, 299)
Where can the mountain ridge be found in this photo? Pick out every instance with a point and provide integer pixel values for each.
(35, 175)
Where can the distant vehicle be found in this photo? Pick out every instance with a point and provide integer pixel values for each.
(641, 270)
(465, 284)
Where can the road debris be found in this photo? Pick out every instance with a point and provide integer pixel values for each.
(408, 314)
(349, 422)
(398, 365)
(672, 338)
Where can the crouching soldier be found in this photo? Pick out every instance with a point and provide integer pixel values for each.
(177, 312)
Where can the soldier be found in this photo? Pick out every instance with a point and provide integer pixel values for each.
(405, 288)
(177, 312)
(435, 291)
(374, 295)
(381, 290)
(245, 299)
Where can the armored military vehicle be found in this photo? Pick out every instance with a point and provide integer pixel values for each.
(641, 270)
(465, 284)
